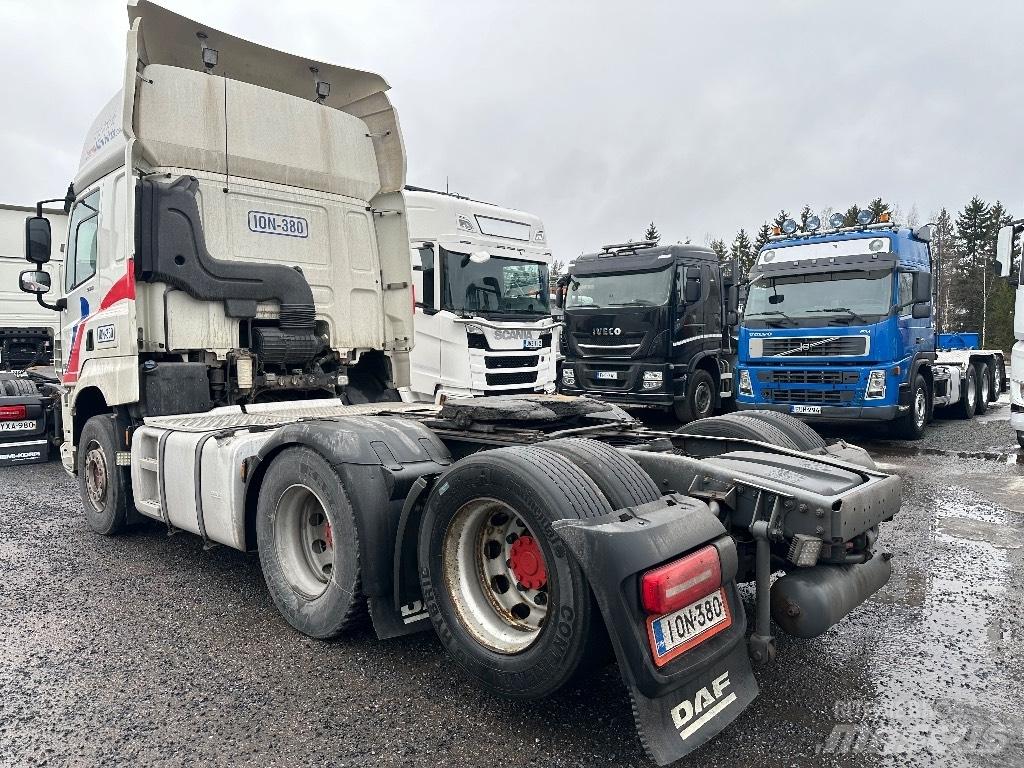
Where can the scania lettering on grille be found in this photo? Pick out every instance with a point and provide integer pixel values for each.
(512, 333)
(606, 332)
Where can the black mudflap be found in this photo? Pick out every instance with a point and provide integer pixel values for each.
(682, 704)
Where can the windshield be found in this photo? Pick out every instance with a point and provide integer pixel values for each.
(499, 285)
(847, 295)
(630, 289)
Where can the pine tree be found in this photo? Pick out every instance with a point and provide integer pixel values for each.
(878, 207)
(743, 250)
(780, 219)
(763, 236)
(805, 214)
(943, 249)
(652, 233)
(718, 246)
(850, 219)
(973, 228)
(999, 295)
(555, 271)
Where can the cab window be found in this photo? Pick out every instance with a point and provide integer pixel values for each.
(83, 232)
(906, 292)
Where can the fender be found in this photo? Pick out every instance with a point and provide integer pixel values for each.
(685, 702)
(379, 460)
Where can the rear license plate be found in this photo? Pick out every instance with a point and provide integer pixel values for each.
(679, 631)
(531, 344)
(16, 426)
(606, 375)
(808, 409)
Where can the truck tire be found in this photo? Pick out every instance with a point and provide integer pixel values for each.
(911, 425)
(699, 402)
(17, 387)
(984, 376)
(104, 486)
(740, 427)
(308, 544)
(965, 406)
(801, 433)
(508, 601)
(620, 479)
(998, 376)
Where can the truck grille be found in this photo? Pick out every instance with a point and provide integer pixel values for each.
(809, 346)
(479, 341)
(504, 379)
(808, 377)
(809, 396)
(512, 361)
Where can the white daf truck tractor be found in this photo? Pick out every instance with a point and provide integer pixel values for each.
(483, 314)
(236, 314)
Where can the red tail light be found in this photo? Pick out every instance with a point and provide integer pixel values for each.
(681, 582)
(12, 413)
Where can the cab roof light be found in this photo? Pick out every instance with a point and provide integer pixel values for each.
(813, 224)
(836, 220)
(865, 217)
(789, 226)
(884, 218)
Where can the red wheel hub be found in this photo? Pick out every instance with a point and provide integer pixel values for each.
(527, 563)
(329, 535)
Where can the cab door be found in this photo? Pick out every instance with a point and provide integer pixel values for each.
(80, 262)
(425, 358)
(689, 314)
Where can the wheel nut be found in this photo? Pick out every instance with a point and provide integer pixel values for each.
(540, 598)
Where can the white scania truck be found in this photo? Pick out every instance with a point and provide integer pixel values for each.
(236, 316)
(483, 315)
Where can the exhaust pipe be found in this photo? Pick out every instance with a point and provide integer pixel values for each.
(807, 602)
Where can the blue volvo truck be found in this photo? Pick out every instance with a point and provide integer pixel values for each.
(839, 326)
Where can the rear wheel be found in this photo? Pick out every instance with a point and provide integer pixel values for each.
(699, 402)
(507, 599)
(103, 485)
(800, 433)
(622, 481)
(910, 426)
(998, 376)
(965, 407)
(740, 427)
(308, 544)
(984, 376)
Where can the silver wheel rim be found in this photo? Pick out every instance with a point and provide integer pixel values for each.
(701, 399)
(304, 540)
(920, 407)
(972, 391)
(984, 387)
(96, 480)
(504, 610)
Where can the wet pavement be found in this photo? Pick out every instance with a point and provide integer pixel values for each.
(144, 649)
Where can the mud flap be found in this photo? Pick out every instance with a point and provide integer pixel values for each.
(684, 703)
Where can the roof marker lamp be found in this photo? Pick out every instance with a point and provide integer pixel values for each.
(836, 220)
(789, 227)
(813, 224)
(865, 217)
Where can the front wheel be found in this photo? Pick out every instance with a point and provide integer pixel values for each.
(966, 406)
(699, 402)
(910, 426)
(103, 485)
(508, 600)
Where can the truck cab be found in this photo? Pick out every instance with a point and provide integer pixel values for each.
(483, 315)
(649, 325)
(838, 326)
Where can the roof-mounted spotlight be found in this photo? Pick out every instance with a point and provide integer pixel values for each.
(813, 224)
(322, 87)
(836, 220)
(210, 55)
(789, 227)
(865, 217)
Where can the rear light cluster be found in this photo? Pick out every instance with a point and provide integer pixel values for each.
(681, 582)
(13, 413)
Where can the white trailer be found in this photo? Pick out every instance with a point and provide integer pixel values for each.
(483, 317)
(236, 314)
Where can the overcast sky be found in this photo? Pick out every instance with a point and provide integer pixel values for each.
(601, 116)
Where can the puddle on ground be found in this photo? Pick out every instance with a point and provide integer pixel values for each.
(999, 535)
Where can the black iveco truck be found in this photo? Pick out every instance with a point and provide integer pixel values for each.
(650, 325)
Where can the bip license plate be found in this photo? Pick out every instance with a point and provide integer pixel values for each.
(674, 633)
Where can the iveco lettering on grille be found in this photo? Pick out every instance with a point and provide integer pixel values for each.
(606, 332)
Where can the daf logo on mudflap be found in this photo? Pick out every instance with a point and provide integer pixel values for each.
(512, 333)
(690, 716)
(606, 332)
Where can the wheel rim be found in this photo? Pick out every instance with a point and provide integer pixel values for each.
(702, 399)
(496, 574)
(920, 407)
(304, 540)
(96, 479)
(984, 388)
(972, 390)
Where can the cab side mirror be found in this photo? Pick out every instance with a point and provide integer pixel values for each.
(1004, 251)
(691, 291)
(37, 240)
(34, 281)
(922, 288)
(921, 311)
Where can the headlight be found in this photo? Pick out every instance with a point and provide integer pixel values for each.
(653, 376)
(569, 377)
(876, 385)
(746, 388)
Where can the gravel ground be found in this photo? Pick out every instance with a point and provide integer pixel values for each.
(144, 649)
